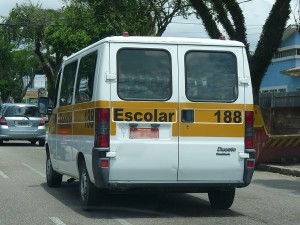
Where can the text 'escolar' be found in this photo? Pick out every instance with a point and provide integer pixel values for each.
(147, 115)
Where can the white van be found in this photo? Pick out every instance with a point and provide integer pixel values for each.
(155, 113)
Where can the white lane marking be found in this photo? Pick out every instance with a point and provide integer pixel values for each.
(34, 170)
(121, 221)
(2, 174)
(57, 221)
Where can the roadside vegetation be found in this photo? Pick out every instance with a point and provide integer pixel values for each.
(34, 40)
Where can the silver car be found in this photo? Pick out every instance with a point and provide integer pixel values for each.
(20, 121)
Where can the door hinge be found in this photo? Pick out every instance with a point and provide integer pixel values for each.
(110, 77)
(243, 81)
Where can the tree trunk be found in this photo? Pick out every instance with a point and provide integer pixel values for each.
(47, 69)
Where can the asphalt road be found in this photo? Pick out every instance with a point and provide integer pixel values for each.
(26, 199)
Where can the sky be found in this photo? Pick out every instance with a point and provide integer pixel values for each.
(255, 12)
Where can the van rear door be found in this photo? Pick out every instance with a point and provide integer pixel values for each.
(144, 106)
(212, 109)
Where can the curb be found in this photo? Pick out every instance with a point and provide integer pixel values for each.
(279, 169)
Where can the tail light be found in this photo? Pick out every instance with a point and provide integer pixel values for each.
(42, 123)
(3, 121)
(102, 118)
(249, 129)
(249, 165)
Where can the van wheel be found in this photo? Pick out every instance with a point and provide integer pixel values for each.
(32, 142)
(87, 190)
(221, 199)
(54, 179)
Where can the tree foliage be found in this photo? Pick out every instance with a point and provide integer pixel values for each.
(25, 28)
(53, 34)
(229, 15)
(138, 17)
(15, 64)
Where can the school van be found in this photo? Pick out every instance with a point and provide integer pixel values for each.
(153, 113)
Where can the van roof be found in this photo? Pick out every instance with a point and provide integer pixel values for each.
(163, 40)
(172, 40)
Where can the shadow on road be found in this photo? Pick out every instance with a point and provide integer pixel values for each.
(18, 143)
(142, 205)
(292, 186)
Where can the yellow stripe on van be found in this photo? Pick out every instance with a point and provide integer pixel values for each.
(211, 130)
(210, 119)
(145, 105)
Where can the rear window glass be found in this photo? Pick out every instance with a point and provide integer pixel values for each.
(144, 74)
(29, 111)
(211, 76)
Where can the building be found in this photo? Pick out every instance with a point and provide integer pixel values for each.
(283, 74)
(32, 93)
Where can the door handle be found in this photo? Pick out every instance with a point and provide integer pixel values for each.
(187, 116)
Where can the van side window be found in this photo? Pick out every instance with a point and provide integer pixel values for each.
(211, 76)
(67, 84)
(144, 74)
(85, 78)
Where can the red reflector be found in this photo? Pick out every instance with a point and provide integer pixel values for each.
(249, 142)
(249, 117)
(3, 121)
(102, 140)
(104, 164)
(250, 164)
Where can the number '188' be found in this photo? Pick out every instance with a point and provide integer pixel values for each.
(228, 116)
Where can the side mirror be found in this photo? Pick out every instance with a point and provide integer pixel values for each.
(43, 105)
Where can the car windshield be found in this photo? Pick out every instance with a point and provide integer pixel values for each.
(28, 111)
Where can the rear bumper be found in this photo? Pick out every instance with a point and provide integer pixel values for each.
(101, 177)
(248, 172)
(22, 134)
(179, 186)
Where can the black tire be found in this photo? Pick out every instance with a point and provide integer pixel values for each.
(54, 179)
(221, 199)
(42, 142)
(32, 142)
(87, 191)
(1, 142)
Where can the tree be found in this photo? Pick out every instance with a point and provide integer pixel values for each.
(14, 65)
(270, 37)
(138, 17)
(25, 28)
(53, 34)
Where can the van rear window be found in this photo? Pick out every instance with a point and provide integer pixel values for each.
(144, 74)
(211, 76)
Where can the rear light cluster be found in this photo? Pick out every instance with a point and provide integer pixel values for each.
(42, 123)
(3, 121)
(249, 129)
(249, 139)
(102, 118)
